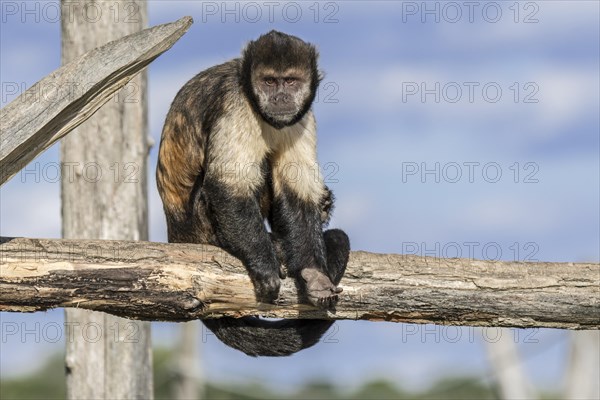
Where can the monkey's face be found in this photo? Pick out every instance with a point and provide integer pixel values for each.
(282, 96)
(279, 77)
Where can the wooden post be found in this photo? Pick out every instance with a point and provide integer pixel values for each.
(106, 198)
(583, 367)
(188, 383)
(507, 369)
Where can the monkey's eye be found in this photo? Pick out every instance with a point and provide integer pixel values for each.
(269, 81)
(290, 81)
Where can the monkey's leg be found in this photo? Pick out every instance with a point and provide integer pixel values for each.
(319, 283)
(240, 229)
(297, 225)
(338, 252)
(279, 253)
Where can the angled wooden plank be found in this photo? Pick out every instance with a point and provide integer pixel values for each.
(31, 123)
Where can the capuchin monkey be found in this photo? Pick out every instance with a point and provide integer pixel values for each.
(238, 148)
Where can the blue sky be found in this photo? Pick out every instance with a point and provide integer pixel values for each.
(476, 134)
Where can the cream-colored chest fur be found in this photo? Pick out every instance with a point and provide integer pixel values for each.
(240, 143)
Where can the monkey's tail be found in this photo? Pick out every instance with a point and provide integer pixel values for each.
(258, 337)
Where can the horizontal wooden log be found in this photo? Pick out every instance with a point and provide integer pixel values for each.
(61, 101)
(177, 282)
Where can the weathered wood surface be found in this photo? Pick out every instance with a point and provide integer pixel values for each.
(52, 107)
(177, 282)
(114, 205)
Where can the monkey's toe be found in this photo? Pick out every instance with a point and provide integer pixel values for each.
(319, 289)
(327, 302)
(282, 272)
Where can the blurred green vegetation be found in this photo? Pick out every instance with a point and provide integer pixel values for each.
(49, 383)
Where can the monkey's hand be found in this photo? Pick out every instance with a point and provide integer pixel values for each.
(321, 292)
(266, 287)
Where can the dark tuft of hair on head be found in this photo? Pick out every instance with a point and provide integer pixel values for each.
(280, 51)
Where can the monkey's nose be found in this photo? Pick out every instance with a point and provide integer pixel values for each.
(281, 98)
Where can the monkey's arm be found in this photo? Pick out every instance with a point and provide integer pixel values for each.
(297, 226)
(240, 230)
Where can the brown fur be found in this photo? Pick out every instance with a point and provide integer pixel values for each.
(179, 163)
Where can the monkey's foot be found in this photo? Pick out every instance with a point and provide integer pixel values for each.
(321, 292)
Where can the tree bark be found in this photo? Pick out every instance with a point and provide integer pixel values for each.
(180, 282)
(106, 198)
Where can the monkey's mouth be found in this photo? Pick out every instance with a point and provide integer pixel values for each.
(280, 120)
(283, 111)
(282, 116)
